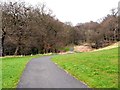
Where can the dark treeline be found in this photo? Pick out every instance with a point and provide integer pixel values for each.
(31, 30)
(100, 34)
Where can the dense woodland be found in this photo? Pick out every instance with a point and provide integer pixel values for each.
(31, 30)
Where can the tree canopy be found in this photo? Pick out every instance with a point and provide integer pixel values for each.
(31, 30)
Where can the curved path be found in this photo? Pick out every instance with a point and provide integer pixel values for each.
(43, 73)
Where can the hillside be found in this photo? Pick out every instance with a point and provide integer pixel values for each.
(115, 45)
(87, 48)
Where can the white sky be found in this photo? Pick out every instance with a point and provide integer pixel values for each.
(77, 11)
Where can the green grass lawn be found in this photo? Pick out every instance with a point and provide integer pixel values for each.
(97, 69)
(12, 68)
(0, 74)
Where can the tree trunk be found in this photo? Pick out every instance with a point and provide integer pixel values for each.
(16, 51)
(2, 47)
(2, 42)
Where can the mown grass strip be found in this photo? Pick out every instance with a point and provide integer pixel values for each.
(12, 68)
(97, 69)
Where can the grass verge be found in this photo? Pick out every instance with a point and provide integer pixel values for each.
(12, 68)
(97, 69)
(0, 74)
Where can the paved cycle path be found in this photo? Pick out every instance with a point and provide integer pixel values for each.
(43, 73)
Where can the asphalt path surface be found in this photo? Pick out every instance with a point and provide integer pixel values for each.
(43, 73)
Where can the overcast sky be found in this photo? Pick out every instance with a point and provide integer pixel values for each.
(78, 11)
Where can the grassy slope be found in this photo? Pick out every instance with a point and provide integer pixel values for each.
(97, 69)
(115, 45)
(12, 68)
